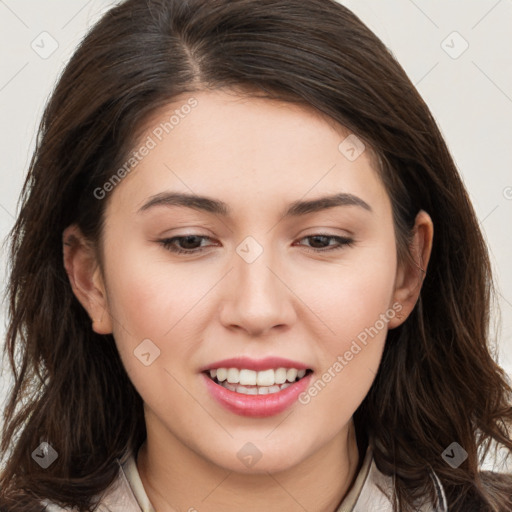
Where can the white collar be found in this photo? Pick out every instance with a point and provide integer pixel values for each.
(371, 490)
(365, 493)
(377, 494)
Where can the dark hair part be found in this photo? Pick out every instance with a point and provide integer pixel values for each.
(437, 382)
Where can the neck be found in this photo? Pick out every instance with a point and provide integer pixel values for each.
(177, 478)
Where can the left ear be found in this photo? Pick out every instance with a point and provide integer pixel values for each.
(409, 276)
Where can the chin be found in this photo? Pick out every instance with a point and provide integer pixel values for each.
(252, 457)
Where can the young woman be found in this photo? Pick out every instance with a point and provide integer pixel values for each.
(246, 275)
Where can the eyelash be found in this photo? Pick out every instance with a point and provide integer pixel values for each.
(168, 243)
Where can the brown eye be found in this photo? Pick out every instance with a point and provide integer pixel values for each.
(323, 241)
(188, 244)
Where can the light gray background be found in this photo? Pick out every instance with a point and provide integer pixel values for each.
(469, 94)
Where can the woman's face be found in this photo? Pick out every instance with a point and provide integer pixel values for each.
(273, 285)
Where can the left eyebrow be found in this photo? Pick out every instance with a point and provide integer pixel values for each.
(217, 207)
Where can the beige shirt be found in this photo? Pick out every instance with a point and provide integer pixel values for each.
(127, 494)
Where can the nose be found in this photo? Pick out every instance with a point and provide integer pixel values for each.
(257, 297)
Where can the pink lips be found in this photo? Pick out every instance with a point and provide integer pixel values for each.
(258, 406)
(255, 364)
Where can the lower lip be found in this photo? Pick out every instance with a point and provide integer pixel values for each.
(257, 406)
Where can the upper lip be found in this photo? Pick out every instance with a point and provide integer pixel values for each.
(266, 363)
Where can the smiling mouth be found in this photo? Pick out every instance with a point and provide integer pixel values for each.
(250, 382)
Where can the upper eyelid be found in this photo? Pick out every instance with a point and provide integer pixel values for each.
(208, 237)
(168, 241)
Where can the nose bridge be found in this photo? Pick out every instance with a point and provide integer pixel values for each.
(252, 269)
(258, 296)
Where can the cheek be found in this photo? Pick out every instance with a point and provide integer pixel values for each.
(359, 316)
(152, 301)
(355, 302)
(149, 295)
(351, 296)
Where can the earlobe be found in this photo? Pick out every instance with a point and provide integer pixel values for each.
(410, 276)
(85, 277)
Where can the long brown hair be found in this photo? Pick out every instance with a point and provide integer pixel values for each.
(437, 382)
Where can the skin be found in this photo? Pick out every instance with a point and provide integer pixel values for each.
(257, 155)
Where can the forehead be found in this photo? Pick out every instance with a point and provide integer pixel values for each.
(244, 150)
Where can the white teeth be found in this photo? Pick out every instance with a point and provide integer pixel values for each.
(280, 376)
(291, 375)
(268, 381)
(265, 378)
(255, 390)
(233, 375)
(247, 377)
(246, 391)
